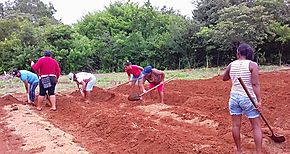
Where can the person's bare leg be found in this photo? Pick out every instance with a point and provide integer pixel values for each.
(161, 95)
(257, 133)
(141, 88)
(236, 126)
(53, 102)
(48, 101)
(39, 102)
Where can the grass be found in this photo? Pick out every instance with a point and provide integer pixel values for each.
(106, 80)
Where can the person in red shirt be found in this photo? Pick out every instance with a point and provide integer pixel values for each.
(49, 71)
(135, 71)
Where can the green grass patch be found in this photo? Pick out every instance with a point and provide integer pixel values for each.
(106, 80)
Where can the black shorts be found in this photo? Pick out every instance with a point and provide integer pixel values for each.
(51, 89)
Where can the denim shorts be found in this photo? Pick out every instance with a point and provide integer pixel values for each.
(240, 104)
(137, 77)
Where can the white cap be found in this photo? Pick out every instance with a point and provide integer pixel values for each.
(70, 76)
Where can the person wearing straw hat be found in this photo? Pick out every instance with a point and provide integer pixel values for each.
(239, 102)
(30, 81)
(154, 77)
(87, 80)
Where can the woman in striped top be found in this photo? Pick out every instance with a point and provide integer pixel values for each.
(239, 103)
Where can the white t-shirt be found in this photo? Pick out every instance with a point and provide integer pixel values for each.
(81, 76)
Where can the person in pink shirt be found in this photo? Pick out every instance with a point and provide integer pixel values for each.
(48, 71)
(135, 71)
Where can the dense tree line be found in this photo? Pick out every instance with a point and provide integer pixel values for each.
(145, 35)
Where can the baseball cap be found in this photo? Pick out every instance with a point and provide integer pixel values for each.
(47, 53)
(70, 76)
(147, 70)
(127, 63)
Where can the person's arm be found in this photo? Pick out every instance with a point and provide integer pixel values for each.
(142, 85)
(36, 66)
(26, 86)
(57, 69)
(254, 68)
(78, 85)
(84, 85)
(226, 75)
(129, 76)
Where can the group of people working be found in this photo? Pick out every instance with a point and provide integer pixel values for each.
(239, 103)
(136, 75)
(48, 71)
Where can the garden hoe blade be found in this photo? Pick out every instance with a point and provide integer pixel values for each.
(275, 138)
(278, 139)
(134, 97)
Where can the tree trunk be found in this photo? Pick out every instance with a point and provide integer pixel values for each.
(179, 63)
(207, 59)
(280, 55)
(218, 59)
(188, 62)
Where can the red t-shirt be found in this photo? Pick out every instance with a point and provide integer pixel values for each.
(47, 66)
(135, 71)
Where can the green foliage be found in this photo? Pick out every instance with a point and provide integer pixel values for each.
(32, 10)
(102, 41)
(127, 31)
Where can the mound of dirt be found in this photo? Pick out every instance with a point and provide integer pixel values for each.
(8, 99)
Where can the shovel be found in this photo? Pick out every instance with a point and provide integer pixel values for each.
(116, 86)
(136, 97)
(47, 97)
(278, 139)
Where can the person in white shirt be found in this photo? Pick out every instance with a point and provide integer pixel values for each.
(87, 80)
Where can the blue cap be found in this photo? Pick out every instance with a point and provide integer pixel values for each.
(47, 53)
(147, 70)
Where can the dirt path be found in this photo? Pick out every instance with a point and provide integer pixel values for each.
(37, 134)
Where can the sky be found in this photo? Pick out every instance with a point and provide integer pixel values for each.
(70, 11)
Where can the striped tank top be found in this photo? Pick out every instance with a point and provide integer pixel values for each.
(240, 68)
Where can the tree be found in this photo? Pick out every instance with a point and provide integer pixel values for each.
(33, 10)
(206, 11)
(241, 24)
(279, 8)
(282, 33)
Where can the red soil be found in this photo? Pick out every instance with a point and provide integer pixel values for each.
(195, 120)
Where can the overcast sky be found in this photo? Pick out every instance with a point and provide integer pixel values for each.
(70, 11)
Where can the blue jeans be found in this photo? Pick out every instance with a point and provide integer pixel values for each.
(31, 92)
(240, 104)
(139, 78)
(91, 84)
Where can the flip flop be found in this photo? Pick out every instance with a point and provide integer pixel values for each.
(39, 109)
